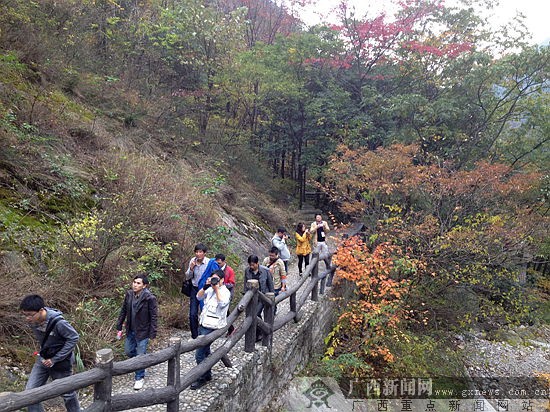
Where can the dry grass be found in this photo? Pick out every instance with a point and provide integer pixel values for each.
(136, 177)
(19, 280)
(157, 195)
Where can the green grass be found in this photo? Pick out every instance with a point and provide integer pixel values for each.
(544, 312)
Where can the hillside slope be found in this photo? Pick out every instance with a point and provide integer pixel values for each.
(89, 197)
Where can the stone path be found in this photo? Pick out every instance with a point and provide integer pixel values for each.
(200, 400)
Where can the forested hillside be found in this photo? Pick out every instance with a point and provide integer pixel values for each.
(130, 130)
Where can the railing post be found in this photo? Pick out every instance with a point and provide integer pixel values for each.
(331, 274)
(103, 390)
(269, 317)
(173, 378)
(293, 307)
(322, 285)
(315, 258)
(314, 274)
(251, 310)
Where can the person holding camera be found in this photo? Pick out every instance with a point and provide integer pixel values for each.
(57, 342)
(319, 229)
(303, 246)
(279, 241)
(195, 271)
(216, 297)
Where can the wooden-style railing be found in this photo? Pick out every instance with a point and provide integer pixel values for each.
(101, 377)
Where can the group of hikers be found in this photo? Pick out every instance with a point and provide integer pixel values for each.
(209, 283)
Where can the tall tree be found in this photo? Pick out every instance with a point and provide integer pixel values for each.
(204, 41)
(463, 235)
(266, 19)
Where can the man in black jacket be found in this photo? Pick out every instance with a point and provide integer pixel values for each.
(255, 271)
(57, 342)
(259, 273)
(139, 310)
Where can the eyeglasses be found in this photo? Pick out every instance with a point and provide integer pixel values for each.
(30, 315)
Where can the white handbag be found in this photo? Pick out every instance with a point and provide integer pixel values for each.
(211, 320)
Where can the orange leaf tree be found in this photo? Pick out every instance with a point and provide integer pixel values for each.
(471, 233)
(382, 279)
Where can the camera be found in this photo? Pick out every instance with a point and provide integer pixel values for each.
(214, 281)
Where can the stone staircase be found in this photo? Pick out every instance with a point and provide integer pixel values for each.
(307, 214)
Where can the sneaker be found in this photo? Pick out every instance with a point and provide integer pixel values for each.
(199, 384)
(139, 384)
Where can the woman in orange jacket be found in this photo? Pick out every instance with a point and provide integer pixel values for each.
(303, 245)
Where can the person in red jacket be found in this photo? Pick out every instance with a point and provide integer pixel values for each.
(229, 273)
(228, 280)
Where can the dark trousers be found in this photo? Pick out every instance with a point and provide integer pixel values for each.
(194, 306)
(286, 266)
(259, 313)
(203, 353)
(301, 259)
(277, 291)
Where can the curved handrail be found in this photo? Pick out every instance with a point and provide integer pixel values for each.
(11, 401)
(101, 375)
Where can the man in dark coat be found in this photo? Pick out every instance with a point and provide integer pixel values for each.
(139, 311)
(255, 271)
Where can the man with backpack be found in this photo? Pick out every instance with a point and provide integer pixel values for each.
(57, 342)
(277, 268)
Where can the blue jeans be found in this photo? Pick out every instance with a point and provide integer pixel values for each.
(194, 306)
(134, 347)
(39, 376)
(204, 352)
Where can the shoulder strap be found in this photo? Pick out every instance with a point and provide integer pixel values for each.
(49, 328)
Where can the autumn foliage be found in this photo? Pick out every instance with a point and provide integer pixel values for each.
(449, 246)
(382, 278)
(121, 121)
